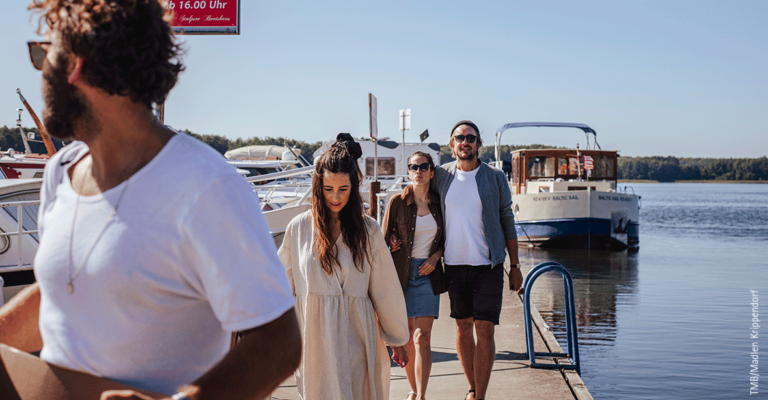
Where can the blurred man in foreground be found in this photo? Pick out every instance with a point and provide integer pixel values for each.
(152, 247)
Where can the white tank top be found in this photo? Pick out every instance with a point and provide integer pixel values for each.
(426, 231)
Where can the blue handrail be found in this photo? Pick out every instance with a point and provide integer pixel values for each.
(570, 318)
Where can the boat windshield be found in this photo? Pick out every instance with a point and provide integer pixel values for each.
(29, 212)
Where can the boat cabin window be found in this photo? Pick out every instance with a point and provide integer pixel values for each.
(603, 168)
(515, 160)
(568, 166)
(541, 166)
(386, 166)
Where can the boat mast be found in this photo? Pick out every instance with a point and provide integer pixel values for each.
(43, 133)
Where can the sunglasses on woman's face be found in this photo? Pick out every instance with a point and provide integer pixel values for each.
(37, 53)
(415, 167)
(468, 138)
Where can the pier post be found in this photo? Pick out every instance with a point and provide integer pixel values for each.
(373, 201)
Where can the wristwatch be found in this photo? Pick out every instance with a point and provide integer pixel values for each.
(515, 266)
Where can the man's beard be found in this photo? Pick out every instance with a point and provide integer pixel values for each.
(470, 157)
(64, 104)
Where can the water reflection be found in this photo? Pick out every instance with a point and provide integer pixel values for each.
(603, 281)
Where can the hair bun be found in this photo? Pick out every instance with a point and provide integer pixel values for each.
(353, 148)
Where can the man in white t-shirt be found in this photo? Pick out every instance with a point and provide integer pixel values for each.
(480, 230)
(152, 248)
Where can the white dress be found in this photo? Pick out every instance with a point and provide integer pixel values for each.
(344, 355)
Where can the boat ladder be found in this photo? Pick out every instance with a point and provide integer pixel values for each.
(570, 318)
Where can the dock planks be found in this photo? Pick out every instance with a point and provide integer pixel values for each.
(512, 378)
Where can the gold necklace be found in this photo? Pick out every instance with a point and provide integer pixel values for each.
(71, 284)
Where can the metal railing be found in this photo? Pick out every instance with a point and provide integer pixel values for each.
(20, 232)
(293, 189)
(281, 174)
(570, 318)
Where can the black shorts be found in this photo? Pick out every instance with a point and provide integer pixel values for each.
(475, 291)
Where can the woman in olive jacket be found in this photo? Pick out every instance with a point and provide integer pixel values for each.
(415, 231)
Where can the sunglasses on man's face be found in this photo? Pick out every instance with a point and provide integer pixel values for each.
(415, 167)
(468, 138)
(37, 53)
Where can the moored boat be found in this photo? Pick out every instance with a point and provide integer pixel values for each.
(19, 203)
(570, 197)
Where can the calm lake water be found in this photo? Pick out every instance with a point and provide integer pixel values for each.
(672, 320)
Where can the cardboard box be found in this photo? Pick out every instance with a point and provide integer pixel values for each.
(26, 377)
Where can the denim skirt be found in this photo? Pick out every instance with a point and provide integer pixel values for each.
(420, 299)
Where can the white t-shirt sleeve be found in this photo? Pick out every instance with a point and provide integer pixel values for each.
(232, 259)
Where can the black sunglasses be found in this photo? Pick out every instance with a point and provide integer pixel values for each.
(468, 138)
(37, 53)
(415, 167)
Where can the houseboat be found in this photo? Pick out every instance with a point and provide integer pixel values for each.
(570, 197)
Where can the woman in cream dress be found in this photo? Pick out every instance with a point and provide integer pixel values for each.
(348, 297)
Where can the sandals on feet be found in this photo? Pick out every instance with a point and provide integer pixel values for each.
(410, 396)
(470, 392)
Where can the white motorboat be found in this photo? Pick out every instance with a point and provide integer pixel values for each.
(27, 165)
(570, 197)
(15, 165)
(19, 201)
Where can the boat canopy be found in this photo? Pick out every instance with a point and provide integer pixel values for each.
(587, 130)
(258, 152)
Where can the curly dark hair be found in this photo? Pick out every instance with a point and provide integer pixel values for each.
(127, 46)
(340, 158)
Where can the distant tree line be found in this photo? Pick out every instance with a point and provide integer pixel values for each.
(487, 152)
(10, 138)
(670, 169)
(662, 169)
(223, 144)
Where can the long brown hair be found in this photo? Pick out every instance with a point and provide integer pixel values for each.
(340, 158)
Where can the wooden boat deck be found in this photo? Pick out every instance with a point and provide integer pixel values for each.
(512, 377)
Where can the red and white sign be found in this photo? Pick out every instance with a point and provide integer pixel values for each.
(205, 17)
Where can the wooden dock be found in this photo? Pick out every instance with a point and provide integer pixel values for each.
(512, 377)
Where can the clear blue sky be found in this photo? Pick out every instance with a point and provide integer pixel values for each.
(682, 78)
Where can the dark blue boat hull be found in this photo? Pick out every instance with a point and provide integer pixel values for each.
(592, 233)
